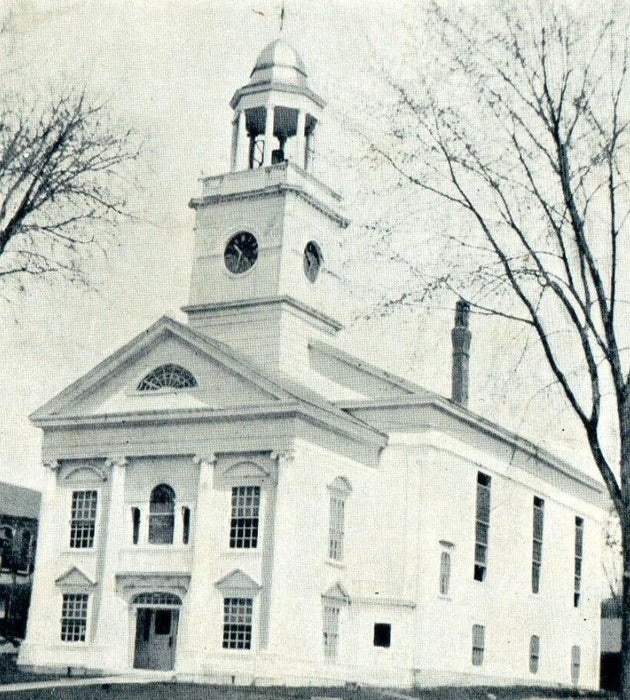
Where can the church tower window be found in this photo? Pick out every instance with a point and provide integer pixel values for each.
(167, 377)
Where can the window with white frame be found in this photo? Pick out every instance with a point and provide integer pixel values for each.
(482, 526)
(331, 630)
(244, 520)
(339, 491)
(575, 664)
(537, 542)
(83, 519)
(478, 644)
(335, 531)
(579, 550)
(74, 617)
(6, 547)
(237, 623)
(445, 571)
(162, 515)
(534, 653)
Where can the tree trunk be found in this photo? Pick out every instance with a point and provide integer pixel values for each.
(625, 609)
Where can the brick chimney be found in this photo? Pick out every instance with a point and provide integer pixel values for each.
(461, 336)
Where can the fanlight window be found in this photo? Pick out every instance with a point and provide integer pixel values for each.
(162, 515)
(156, 599)
(167, 377)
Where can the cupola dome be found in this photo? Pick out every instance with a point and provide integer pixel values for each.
(279, 62)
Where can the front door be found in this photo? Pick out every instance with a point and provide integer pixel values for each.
(156, 638)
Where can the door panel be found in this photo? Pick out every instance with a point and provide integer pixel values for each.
(156, 638)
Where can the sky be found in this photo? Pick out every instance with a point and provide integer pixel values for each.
(169, 69)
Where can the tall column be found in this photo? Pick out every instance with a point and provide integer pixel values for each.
(109, 610)
(269, 118)
(300, 141)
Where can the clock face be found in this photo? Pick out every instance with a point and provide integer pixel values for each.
(241, 252)
(313, 260)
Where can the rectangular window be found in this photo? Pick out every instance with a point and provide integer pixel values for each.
(534, 653)
(74, 617)
(331, 631)
(575, 665)
(135, 517)
(382, 635)
(445, 572)
(579, 544)
(336, 524)
(83, 519)
(244, 522)
(185, 524)
(237, 623)
(478, 644)
(482, 526)
(537, 542)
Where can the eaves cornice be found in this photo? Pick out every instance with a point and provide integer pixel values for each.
(270, 191)
(476, 422)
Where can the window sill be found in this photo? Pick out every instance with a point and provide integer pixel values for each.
(336, 564)
(252, 551)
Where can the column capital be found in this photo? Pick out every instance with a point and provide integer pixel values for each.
(283, 456)
(201, 460)
(118, 461)
(51, 464)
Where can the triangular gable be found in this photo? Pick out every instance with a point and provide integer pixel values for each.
(237, 583)
(89, 394)
(338, 594)
(74, 578)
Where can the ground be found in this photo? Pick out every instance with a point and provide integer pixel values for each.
(186, 691)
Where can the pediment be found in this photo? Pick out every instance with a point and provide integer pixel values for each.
(338, 593)
(237, 583)
(74, 578)
(246, 470)
(222, 380)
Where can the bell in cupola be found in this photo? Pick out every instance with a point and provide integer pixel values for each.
(276, 113)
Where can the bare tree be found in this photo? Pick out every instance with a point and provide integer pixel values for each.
(62, 184)
(526, 135)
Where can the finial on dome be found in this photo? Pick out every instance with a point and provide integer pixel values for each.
(276, 112)
(282, 17)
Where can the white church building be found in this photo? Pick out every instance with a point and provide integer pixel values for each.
(238, 500)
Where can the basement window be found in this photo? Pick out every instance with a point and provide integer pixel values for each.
(382, 635)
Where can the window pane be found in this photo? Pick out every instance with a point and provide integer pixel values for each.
(237, 623)
(331, 631)
(162, 515)
(445, 572)
(478, 644)
(244, 520)
(83, 519)
(74, 617)
(482, 525)
(534, 653)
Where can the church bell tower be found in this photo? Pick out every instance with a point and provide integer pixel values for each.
(266, 233)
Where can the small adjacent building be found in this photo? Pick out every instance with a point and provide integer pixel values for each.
(237, 499)
(19, 512)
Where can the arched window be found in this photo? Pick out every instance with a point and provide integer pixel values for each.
(162, 515)
(167, 377)
(155, 599)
